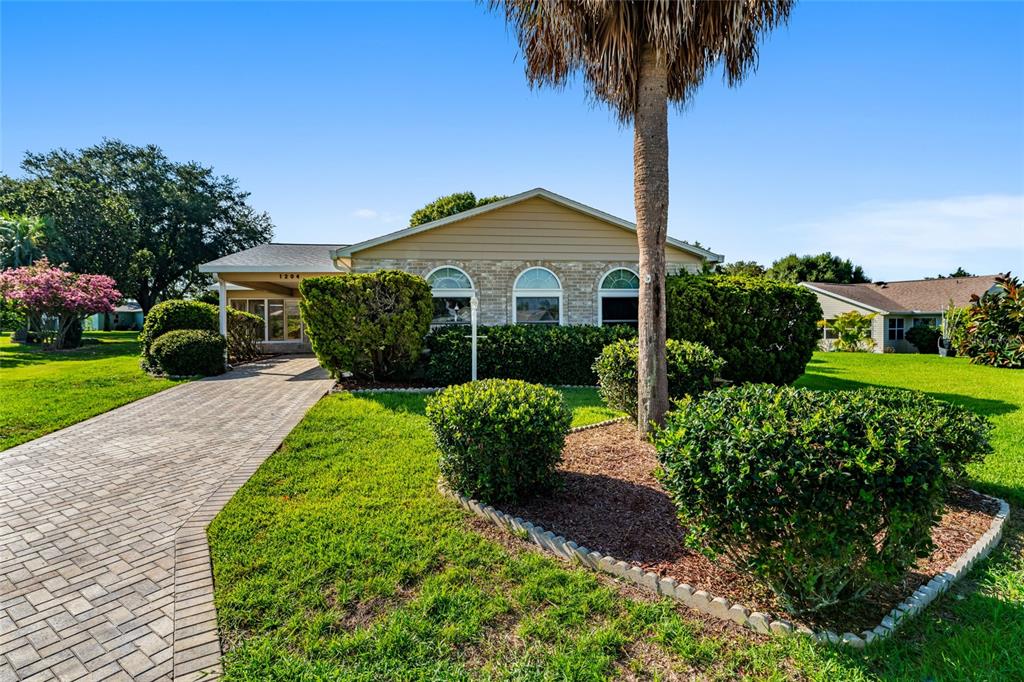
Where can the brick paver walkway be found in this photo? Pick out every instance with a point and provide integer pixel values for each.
(104, 567)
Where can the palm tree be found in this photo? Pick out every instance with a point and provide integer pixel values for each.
(638, 56)
(21, 239)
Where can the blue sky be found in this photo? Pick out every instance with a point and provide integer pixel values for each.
(891, 133)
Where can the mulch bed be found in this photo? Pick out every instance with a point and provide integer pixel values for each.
(612, 504)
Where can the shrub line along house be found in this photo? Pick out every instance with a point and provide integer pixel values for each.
(532, 258)
(898, 306)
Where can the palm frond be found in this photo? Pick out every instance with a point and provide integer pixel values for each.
(603, 40)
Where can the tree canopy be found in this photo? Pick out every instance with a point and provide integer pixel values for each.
(746, 268)
(131, 213)
(822, 267)
(450, 204)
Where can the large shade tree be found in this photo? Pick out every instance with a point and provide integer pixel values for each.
(638, 57)
(820, 267)
(133, 214)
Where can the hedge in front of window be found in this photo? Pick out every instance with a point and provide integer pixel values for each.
(369, 324)
(188, 352)
(692, 369)
(500, 439)
(245, 333)
(821, 495)
(765, 330)
(543, 354)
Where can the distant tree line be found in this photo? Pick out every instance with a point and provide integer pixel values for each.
(127, 212)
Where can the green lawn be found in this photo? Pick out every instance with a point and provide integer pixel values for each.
(339, 560)
(996, 393)
(42, 391)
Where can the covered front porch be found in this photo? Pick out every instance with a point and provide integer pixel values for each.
(265, 281)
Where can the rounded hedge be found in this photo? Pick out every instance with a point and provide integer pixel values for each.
(500, 439)
(187, 352)
(765, 330)
(544, 354)
(176, 314)
(925, 338)
(692, 369)
(821, 495)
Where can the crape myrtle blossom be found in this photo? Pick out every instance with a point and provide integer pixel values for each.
(44, 289)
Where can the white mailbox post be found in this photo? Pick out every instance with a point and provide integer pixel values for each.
(472, 321)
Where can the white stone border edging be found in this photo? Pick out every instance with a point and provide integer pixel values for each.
(720, 607)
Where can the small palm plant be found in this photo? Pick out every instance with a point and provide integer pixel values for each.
(852, 331)
(637, 57)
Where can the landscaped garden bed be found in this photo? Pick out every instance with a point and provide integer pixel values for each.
(611, 503)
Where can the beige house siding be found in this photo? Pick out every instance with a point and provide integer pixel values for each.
(493, 281)
(532, 230)
(833, 307)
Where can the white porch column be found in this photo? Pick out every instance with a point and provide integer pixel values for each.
(223, 290)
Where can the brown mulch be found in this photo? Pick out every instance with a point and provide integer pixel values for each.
(612, 504)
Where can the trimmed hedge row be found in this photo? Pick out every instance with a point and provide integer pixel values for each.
(821, 495)
(766, 331)
(534, 353)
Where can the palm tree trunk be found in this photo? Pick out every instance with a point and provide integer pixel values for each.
(650, 190)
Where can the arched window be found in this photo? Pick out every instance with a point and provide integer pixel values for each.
(537, 297)
(452, 289)
(618, 298)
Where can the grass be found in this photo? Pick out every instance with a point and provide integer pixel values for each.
(340, 560)
(43, 391)
(996, 393)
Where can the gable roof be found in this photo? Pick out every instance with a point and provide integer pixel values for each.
(908, 296)
(348, 251)
(275, 257)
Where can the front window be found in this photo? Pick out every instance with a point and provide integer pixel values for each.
(537, 297)
(452, 291)
(281, 318)
(896, 328)
(619, 297)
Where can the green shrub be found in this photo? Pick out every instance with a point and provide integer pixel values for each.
(500, 439)
(692, 369)
(245, 333)
(369, 324)
(175, 314)
(187, 352)
(925, 338)
(535, 353)
(995, 332)
(821, 495)
(765, 330)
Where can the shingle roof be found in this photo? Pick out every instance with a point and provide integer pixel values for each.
(277, 257)
(912, 295)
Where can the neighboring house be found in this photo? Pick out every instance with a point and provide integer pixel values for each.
(125, 317)
(533, 258)
(898, 306)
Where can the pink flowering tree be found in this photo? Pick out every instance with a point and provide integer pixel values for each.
(68, 297)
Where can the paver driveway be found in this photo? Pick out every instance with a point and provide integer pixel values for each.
(104, 567)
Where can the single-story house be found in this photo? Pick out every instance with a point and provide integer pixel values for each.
(125, 317)
(533, 258)
(897, 306)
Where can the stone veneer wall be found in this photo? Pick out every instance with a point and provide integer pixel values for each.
(493, 280)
